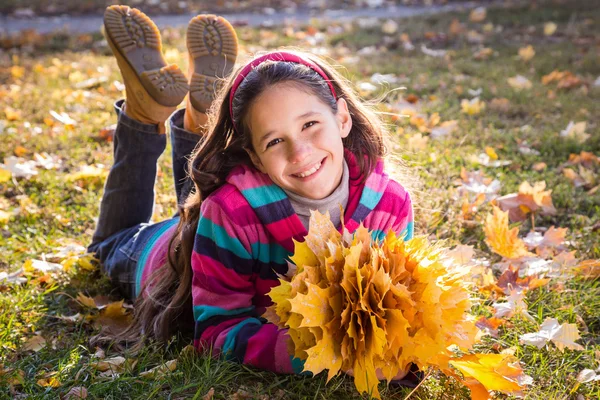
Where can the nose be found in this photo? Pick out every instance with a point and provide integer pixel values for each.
(298, 151)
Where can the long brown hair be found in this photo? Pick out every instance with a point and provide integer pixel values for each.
(165, 305)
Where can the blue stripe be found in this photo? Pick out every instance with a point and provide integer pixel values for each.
(229, 344)
(378, 235)
(370, 198)
(270, 252)
(202, 313)
(262, 195)
(141, 264)
(408, 231)
(219, 235)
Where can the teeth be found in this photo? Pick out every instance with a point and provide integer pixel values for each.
(310, 171)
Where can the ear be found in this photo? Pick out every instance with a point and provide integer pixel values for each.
(255, 160)
(343, 117)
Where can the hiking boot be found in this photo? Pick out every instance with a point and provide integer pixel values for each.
(153, 88)
(212, 46)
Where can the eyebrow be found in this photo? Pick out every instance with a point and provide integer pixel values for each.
(299, 117)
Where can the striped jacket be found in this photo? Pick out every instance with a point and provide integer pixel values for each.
(243, 239)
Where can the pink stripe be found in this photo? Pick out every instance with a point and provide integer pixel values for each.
(260, 350)
(283, 362)
(246, 178)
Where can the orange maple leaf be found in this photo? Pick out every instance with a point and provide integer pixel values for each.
(500, 238)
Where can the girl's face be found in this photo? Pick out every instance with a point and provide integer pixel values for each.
(297, 140)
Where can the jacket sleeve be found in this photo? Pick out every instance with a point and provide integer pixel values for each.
(394, 211)
(226, 320)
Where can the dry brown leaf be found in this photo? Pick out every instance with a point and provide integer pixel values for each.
(114, 364)
(209, 395)
(528, 199)
(34, 344)
(77, 392)
(160, 370)
(588, 269)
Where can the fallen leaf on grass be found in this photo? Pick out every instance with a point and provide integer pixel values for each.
(472, 107)
(526, 53)
(515, 305)
(501, 105)
(588, 375)
(500, 238)
(114, 364)
(12, 114)
(576, 131)
(63, 118)
(490, 325)
(19, 168)
(563, 336)
(529, 199)
(485, 372)
(444, 129)
(563, 79)
(417, 142)
(477, 182)
(588, 269)
(88, 175)
(85, 300)
(77, 392)
(209, 395)
(552, 241)
(49, 382)
(510, 280)
(478, 14)
(549, 28)
(519, 82)
(114, 318)
(41, 266)
(34, 344)
(483, 54)
(160, 370)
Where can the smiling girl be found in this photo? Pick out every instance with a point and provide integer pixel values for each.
(286, 134)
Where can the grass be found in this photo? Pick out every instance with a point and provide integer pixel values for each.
(48, 208)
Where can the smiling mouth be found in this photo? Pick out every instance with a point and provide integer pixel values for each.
(309, 172)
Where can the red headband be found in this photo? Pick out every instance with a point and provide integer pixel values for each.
(274, 56)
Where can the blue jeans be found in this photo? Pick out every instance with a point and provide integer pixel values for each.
(124, 225)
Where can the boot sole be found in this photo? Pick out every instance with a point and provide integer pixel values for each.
(135, 39)
(212, 45)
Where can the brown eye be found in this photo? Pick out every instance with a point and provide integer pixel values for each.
(273, 142)
(309, 124)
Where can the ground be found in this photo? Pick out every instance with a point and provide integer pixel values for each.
(56, 98)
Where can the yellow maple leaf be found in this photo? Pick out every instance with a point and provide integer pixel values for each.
(85, 300)
(500, 238)
(492, 371)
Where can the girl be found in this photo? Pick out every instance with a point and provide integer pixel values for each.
(286, 134)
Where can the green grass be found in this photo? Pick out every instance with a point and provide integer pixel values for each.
(53, 209)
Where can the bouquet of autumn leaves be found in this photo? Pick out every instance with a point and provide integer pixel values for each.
(376, 307)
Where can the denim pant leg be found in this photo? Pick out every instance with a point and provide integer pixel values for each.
(128, 200)
(183, 144)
